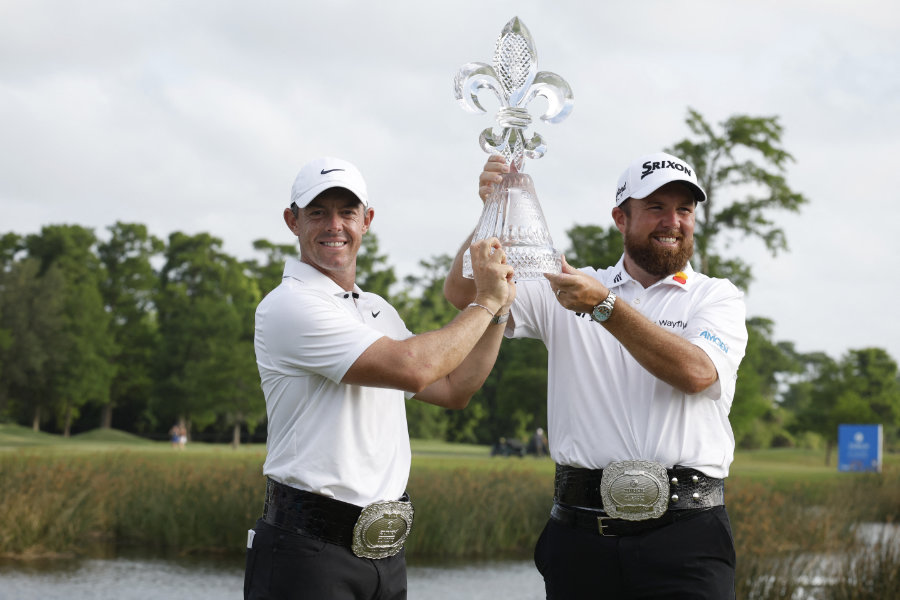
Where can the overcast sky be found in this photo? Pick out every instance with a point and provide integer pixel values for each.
(195, 115)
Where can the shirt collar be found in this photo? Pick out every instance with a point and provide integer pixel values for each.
(317, 280)
(683, 278)
(619, 276)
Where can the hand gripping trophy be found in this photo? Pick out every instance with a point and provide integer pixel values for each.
(512, 212)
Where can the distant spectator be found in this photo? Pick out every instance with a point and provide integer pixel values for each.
(538, 445)
(178, 436)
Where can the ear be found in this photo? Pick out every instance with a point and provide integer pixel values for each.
(291, 221)
(620, 219)
(367, 220)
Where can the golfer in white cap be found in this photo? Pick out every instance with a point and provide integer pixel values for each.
(337, 364)
(643, 357)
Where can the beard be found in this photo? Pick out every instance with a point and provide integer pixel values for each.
(656, 260)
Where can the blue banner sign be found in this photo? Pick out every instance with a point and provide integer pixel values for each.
(859, 448)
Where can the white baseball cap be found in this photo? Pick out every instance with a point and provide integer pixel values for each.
(649, 173)
(325, 173)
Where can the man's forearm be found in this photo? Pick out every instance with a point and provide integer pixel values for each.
(417, 362)
(471, 374)
(665, 355)
(458, 290)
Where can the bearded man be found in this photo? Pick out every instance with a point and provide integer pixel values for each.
(642, 362)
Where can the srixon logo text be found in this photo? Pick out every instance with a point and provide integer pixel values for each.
(651, 166)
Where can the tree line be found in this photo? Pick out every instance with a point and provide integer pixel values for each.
(134, 332)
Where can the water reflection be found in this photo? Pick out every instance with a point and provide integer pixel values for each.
(129, 577)
(198, 579)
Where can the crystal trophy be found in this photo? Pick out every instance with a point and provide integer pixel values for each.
(512, 212)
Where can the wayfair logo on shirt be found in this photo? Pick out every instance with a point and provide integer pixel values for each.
(715, 340)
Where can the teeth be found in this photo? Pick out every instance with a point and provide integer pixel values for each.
(333, 244)
(667, 240)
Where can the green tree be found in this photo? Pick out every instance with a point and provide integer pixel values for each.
(206, 366)
(755, 416)
(513, 400)
(82, 374)
(268, 275)
(591, 245)
(31, 314)
(11, 244)
(372, 271)
(861, 388)
(744, 155)
(127, 291)
(421, 302)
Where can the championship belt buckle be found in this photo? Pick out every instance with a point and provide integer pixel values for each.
(634, 490)
(382, 528)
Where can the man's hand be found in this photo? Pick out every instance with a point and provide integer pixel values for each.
(576, 291)
(492, 175)
(493, 276)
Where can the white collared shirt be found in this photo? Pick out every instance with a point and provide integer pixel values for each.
(347, 442)
(603, 406)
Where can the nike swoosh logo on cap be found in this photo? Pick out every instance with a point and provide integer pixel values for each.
(326, 172)
(375, 314)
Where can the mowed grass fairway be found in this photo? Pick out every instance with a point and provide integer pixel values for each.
(111, 489)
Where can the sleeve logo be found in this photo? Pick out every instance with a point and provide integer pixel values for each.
(715, 340)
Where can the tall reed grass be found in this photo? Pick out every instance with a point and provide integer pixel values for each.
(53, 503)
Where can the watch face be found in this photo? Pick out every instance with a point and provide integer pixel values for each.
(601, 313)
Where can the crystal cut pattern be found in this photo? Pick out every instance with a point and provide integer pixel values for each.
(512, 213)
(515, 81)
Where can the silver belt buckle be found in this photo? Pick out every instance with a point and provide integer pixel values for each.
(382, 528)
(634, 490)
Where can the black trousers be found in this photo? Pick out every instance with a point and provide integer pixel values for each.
(692, 558)
(286, 566)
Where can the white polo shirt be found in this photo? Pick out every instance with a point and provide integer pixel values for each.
(347, 442)
(603, 406)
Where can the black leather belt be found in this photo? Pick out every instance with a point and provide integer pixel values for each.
(598, 521)
(688, 488)
(578, 501)
(310, 514)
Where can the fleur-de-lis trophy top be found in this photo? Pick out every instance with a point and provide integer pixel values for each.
(515, 81)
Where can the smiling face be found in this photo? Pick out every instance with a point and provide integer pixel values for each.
(330, 230)
(658, 232)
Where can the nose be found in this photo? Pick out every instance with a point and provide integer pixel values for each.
(669, 217)
(335, 223)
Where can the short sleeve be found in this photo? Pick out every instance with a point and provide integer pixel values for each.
(311, 332)
(719, 328)
(529, 309)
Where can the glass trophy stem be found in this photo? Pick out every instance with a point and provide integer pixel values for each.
(513, 214)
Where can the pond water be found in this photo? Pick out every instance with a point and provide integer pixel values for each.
(149, 579)
(141, 578)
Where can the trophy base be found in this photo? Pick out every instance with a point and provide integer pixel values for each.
(528, 262)
(513, 215)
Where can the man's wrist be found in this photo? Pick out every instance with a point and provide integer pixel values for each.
(604, 309)
(501, 317)
(491, 305)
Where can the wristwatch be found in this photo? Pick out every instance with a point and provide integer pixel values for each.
(602, 311)
(500, 319)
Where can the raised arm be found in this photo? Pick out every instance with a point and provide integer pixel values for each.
(458, 290)
(446, 355)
